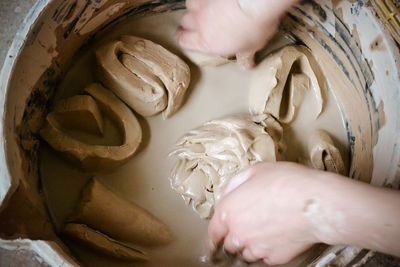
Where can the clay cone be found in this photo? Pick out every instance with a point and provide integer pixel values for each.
(103, 210)
(102, 243)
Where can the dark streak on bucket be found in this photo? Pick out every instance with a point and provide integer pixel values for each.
(64, 11)
(318, 10)
(76, 19)
(344, 40)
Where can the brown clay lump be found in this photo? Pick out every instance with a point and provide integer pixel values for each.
(95, 157)
(281, 81)
(102, 243)
(101, 209)
(209, 156)
(146, 76)
(324, 155)
(79, 112)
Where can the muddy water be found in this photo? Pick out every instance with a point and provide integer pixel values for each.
(214, 92)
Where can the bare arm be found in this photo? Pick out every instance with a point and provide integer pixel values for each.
(273, 212)
(358, 214)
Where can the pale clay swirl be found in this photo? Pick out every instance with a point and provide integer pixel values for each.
(212, 154)
(145, 75)
(292, 68)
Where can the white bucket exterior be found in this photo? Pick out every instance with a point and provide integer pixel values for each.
(54, 30)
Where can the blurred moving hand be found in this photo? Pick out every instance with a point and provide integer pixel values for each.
(230, 27)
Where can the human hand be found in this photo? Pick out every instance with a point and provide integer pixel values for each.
(263, 213)
(275, 211)
(230, 27)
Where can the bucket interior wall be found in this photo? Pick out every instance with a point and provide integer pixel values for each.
(345, 37)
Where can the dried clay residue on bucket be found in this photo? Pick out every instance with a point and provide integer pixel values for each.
(351, 77)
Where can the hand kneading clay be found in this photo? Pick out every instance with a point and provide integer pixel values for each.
(97, 157)
(291, 68)
(101, 209)
(209, 156)
(323, 153)
(79, 112)
(102, 243)
(146, 76)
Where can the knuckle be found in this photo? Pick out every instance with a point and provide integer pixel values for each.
(247, 255)
(270, 261)
(275, 260)
(258, 253)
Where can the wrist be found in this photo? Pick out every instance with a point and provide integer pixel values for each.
(323, 207)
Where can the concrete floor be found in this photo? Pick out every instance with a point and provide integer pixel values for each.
(12, 13)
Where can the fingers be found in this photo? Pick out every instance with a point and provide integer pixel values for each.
(217, 231)
(248, 256)
(191, 40)
(189, 37)
(232, 244)
(246, 60)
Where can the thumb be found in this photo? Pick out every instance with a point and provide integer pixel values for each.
(237, 180)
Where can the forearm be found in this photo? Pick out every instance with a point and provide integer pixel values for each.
(358, 214)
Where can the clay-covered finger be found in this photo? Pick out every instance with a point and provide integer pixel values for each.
(192, 40)
(246, 60)
(217, 231)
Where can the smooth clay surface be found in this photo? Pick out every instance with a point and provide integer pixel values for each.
(214, 92)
